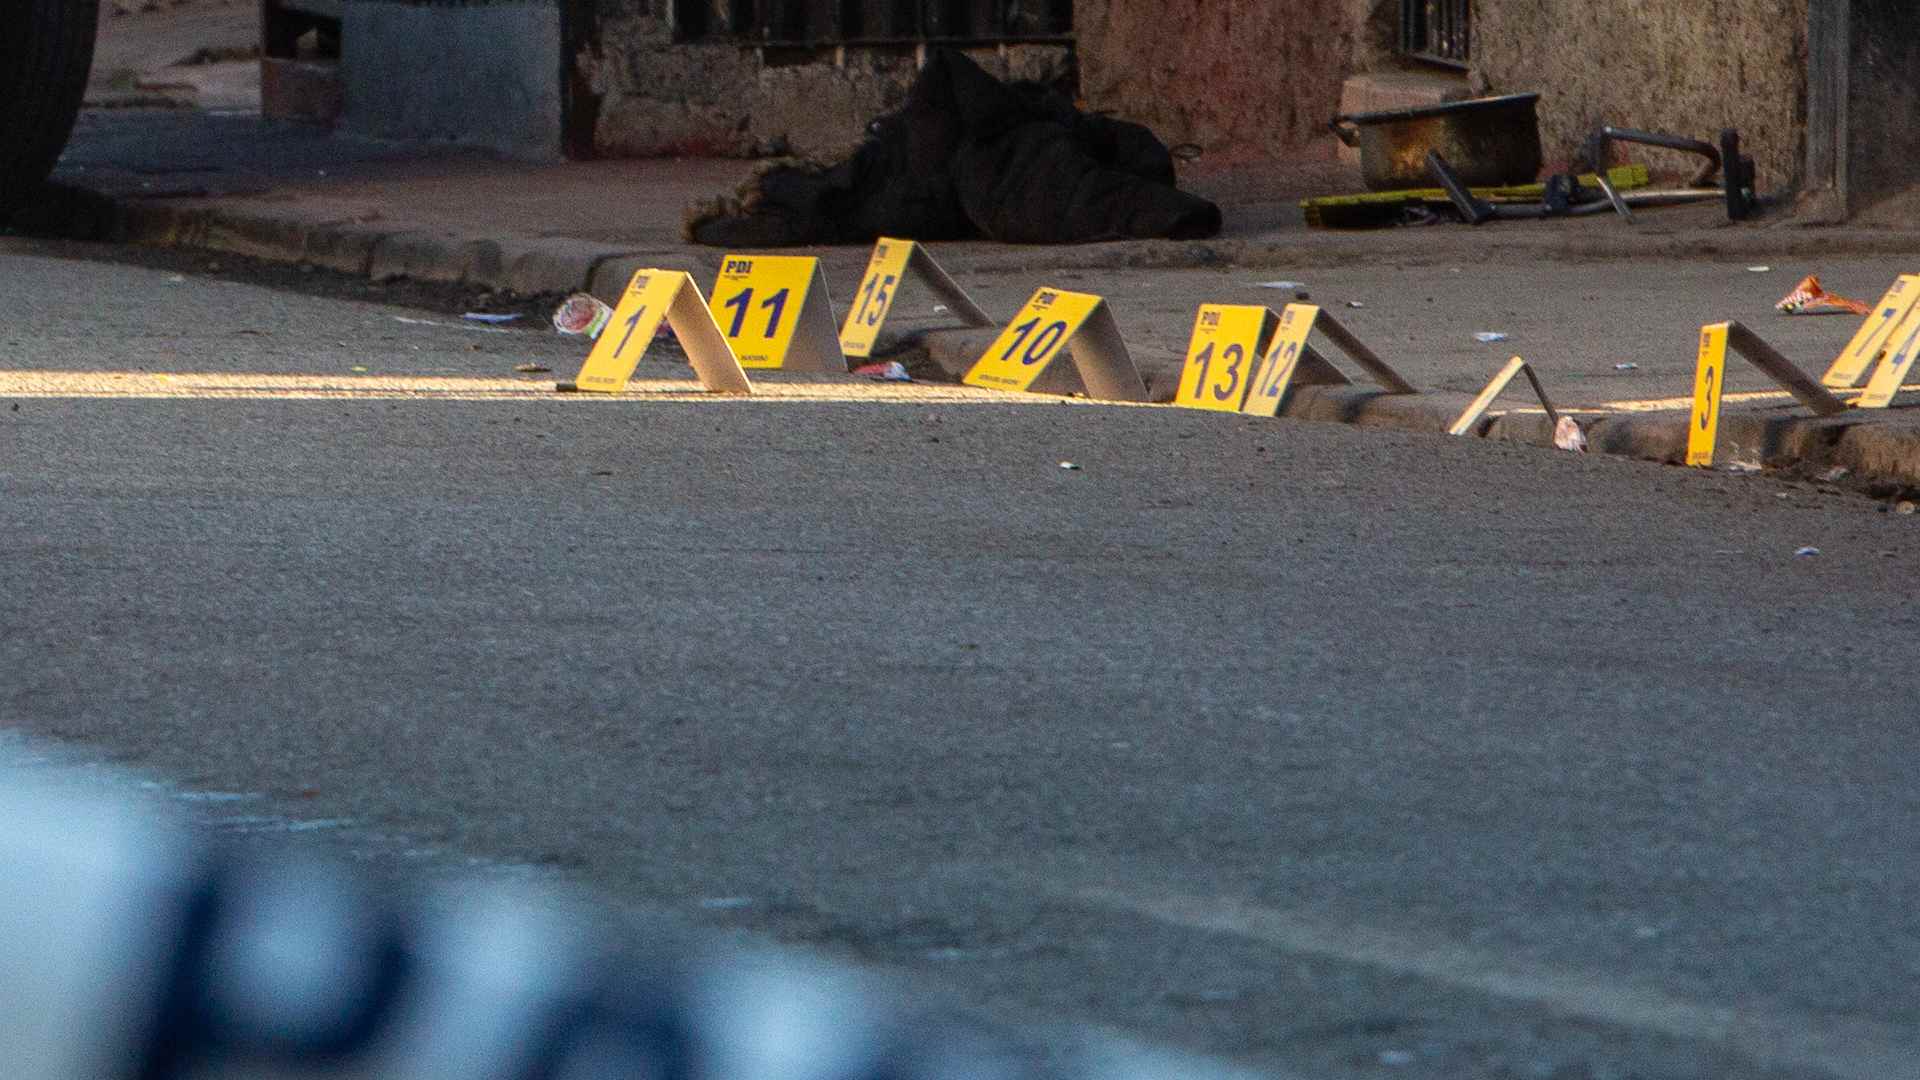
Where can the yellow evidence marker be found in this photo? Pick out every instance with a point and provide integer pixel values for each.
(1227, 343)
(1495, 388)
(893, 262)
(651, 296)
(1709, 381)
(1889, 317)
(1054, 320)
(1282, 359)
(1710, 377)
(775, 311)
(1289, 352)
(1893, 370)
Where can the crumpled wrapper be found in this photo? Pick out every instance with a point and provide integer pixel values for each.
(581, 314)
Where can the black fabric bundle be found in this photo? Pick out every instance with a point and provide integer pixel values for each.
(966, 157)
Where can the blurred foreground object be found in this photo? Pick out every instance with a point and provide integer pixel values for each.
(130, 949)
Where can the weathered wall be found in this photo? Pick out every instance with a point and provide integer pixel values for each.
(1690, 68)
(484, 75)
(1247, 81)
(1883, 106)
(660, 98)
(1241, 80)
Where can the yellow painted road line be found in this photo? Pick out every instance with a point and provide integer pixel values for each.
(300, 387)
(1677, 404)
(307, 387)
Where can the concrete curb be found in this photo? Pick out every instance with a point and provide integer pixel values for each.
(556, 264)
(389, 251)
(1359, 405)
(1873, 452)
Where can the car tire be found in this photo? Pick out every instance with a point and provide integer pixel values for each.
(45, 53)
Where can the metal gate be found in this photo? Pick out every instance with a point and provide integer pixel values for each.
(873, 22)
(1437, 30)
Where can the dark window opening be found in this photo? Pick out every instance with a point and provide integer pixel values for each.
(1437, 30)
(873, 22)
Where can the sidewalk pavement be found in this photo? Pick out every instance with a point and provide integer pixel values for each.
(177, 54)
(1578, 297)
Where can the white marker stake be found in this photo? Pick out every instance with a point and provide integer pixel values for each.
(1495, 388)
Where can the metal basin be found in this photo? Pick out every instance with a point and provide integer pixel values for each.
(1489, 142)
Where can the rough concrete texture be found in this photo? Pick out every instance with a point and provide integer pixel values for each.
(1687, 68)
(424, 256)
(610, 276)
(1241, 81)
(399, 63)
(1884, 97)
(160, 224)
(529, 266)
(301, 90)
(345, 247)
(143, 56)
(663, 99)
(1246, 82)
(256, 236)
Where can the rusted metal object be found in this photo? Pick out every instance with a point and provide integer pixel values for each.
(1489, 141)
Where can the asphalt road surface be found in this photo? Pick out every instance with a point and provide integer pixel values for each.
(1327, 752)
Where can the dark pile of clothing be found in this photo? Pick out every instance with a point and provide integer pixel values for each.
(968, 157)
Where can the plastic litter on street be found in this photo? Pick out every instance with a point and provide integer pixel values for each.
(889, 371)
(1808, 298)
(1568, 436)
(582, 314)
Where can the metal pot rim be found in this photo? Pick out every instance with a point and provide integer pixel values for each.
(1448, 109)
